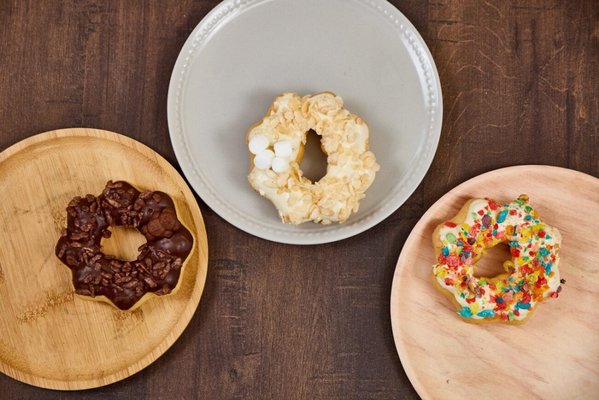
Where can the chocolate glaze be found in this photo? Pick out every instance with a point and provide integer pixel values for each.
(158, 265)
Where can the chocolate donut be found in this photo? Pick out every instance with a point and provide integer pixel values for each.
(159, 262)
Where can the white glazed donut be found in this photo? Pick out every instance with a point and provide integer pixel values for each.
(276, 147)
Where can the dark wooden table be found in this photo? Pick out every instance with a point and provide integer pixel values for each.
(520, 86)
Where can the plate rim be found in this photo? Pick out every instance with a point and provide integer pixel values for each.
(193, 302)
(394, 296)
(422, 60)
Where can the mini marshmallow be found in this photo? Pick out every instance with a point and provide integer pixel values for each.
(263, 160)
(257, 144)
(280, 165)
(283, 149)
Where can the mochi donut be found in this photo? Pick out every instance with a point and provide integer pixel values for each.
(532, 274)
(125, 284)
(276, 146)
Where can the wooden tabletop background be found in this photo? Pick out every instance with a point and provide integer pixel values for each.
(520, 86)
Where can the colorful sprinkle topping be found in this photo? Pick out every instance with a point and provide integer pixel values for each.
(531, 275)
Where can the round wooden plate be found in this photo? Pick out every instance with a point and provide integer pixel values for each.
(555, 354)
(49, 337)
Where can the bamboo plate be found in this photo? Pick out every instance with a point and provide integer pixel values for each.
(49, 337)
(555, 354)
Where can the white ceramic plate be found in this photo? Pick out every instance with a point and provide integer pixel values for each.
(246, 52)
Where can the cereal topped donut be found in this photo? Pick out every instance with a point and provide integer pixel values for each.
(531, 275)
(276, 147)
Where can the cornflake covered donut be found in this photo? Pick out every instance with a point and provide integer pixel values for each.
(531, 275)
(276, 147)
(124, 284)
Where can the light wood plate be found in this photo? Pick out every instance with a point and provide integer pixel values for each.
(554, 355)
(48, 336)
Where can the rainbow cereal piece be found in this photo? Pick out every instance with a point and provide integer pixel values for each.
(531, 275)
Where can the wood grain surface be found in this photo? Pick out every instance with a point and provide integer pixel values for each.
(450, 359)
(51, 337)
(520, 86)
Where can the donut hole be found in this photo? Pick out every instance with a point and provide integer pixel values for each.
(491, 264)
(123, 243)
(314, 163)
